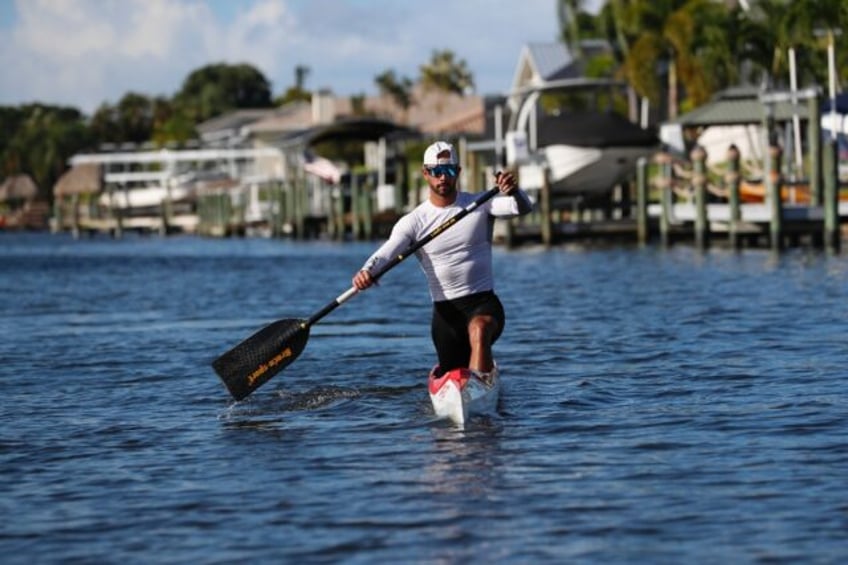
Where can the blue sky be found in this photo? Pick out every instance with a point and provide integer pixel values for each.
(85, 52)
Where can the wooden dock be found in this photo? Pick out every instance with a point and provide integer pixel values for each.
(670, 202)
(801, 226)
(679, 200)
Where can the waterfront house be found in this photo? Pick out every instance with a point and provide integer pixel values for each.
(312, 159)
(314, 141)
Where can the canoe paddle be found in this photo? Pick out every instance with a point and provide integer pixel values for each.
(251, 363)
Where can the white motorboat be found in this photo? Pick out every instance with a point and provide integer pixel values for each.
(589, 153)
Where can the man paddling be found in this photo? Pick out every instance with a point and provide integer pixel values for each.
(468, 317)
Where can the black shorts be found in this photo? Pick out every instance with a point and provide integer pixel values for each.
(449, 328)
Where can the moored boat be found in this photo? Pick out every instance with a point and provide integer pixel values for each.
(462, 393)
(755, 192)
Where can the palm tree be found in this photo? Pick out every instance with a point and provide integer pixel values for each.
(577, 25)
(398, 89)
(761, 35)
(679, 37)
(570, 12)
(802, 18)
(447, 74)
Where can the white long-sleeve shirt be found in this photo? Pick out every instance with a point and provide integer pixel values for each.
(459, 261)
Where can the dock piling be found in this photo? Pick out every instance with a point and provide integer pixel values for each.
(731, 180)
(642, 201)
(699, 183)
(545, 210)
(831, 196)
(664, 161)
(773, 182)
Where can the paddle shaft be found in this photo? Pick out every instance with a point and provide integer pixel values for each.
(394, 261)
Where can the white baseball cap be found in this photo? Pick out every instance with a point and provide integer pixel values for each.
(435, 154)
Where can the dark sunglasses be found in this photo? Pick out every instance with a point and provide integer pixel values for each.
(439, 170)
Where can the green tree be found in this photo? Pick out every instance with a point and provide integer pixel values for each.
(703, 46)
(677, 39)
(447, 74)
(775, 26)
(298, 91)
(357, 103)
(170, 123)
(829, 24)
(131, 120)
(10, 121)
(103, 124)
(577, 24)
(41, 140)
(218, 88)
(398, 89)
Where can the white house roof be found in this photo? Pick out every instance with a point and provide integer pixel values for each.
(548, 58)
(541, 63)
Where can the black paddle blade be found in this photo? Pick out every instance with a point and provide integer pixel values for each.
(248, 365)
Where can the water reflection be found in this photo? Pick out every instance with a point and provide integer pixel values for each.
(465, 460)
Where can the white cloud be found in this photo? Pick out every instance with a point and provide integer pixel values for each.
(85, 52)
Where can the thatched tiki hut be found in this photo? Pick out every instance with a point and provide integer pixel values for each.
(20, 207)
(74, 203)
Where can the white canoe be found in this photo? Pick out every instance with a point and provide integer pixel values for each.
(462, 393)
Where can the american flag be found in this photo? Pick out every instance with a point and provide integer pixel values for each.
(321, 167)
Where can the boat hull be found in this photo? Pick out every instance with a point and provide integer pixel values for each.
(462, 393)
(590, 171)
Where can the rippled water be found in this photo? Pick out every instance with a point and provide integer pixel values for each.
(659, 406)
